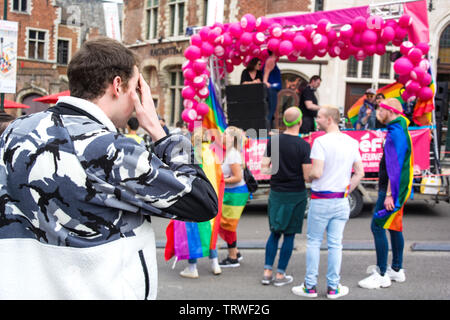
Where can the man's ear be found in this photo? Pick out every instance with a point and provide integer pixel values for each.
(117, 86)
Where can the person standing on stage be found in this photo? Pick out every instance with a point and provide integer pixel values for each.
(309, 104)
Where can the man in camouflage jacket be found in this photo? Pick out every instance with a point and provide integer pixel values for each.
(76, 195)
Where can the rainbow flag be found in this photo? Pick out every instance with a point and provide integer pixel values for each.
(190, 240)
(399, 157)
(215, 118)
(390, 91)
(422, 109)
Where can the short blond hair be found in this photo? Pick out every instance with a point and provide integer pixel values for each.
(333, 112)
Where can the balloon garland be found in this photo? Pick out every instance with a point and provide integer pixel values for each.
(239, 42)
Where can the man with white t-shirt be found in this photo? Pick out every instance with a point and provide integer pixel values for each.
(333, 156)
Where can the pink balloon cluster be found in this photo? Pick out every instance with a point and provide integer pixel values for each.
(239, 42)
(412, 68)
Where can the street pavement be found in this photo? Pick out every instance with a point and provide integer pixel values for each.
(426, 260)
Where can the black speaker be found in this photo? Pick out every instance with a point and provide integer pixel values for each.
(246, 92)
(247, 110)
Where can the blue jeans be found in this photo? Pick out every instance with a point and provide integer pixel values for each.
(212, 255)
(285, 252)
(381, 241)
(330, 215)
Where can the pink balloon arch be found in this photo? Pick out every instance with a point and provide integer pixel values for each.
(239, 42)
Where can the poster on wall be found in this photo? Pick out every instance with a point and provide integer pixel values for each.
(8, 56)
(112, 24)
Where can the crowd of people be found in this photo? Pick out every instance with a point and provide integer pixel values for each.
(78, 196)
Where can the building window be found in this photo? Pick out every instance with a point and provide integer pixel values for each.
(36, 44)
(352, 67)
(176, 17)
(319, 5)
(176, 101)
(152, 19)
(20, 5)
(385, 66)
(63, 52)
(367, 66)
(444, 46)
(205, 12)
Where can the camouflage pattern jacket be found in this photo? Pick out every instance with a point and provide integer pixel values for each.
(76, 198)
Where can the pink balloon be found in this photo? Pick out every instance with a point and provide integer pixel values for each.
(423, 47)
(188, 93)
(370, 49)
(356, 39)
(359, 24)
(285, 47)
(320, 41)
(262, 23)
(346, 31)
(403, 78)
(405, 21)
(334, 51)
(323, 26)
(189, 74)
(415, 55)
(424, 64)
(189, 103)
(248, 22)
(207, 49)
(213, 35)
(412, 86)
(344, 55)
(189, 115)
(288, 35)
(202, 109)
(397, 42)
(299, 42)
(405, 47)
(199, 66)
(192, 52)
(309, 32)
(229, 67)
(331, 35)
(417, 74)
(387, 34)
(235, 29)
(276, 30)
(259, 38)
(246, 38)
(425, 93)
(322, 52)
(403, 66)
(236, 60)
(204, 32)
(273, 44)
(360, 55)
(203, 93)
(375, 23)
(219, 51)
(186, 65)
(196, 40)
(406, 95)
(369, 37)
(225, 39)
(381, 49)
(198, 82)
(426, 80)
(400, 33)
(292, 57)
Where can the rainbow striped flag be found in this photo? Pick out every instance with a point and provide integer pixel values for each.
(215, 118)
(422, 109)
(399, 158)
(234, 202)
(190, 240)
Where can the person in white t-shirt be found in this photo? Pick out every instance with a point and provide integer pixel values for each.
(333, 155)
(235, 195)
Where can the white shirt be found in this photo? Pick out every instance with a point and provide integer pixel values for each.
(339, 152)
(232, 156)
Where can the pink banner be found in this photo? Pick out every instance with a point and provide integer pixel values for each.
(340, 16)
(370, 147)
(419, 31)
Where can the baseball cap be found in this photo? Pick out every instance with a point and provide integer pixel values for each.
(371, 91)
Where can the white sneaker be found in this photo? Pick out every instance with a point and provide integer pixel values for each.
(216, 269)
(303, 291)
(398, 276)
(189, 273)
(375, 281)
(337, 293)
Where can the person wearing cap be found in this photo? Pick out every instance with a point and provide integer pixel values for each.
(334, 156)
(394, 188)
(367, 116)
(289, 156)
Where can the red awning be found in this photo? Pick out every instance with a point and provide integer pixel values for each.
(11, 105)
(53, 98)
